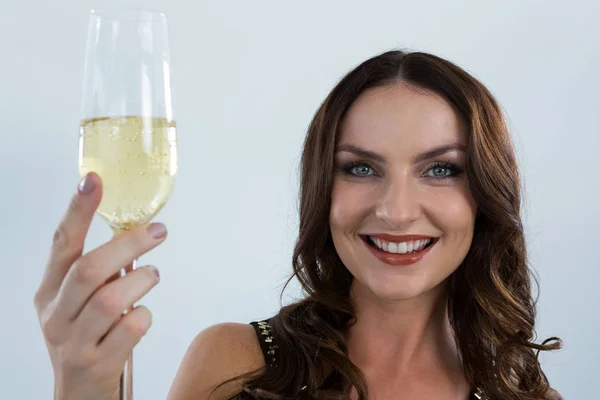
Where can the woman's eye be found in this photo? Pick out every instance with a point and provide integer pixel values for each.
(442, 170)
(359, 170)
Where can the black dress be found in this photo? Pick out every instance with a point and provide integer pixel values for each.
(269, 347)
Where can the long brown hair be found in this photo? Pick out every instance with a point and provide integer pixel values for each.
(490, 301)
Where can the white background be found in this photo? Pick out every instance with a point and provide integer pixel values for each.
(247, 79)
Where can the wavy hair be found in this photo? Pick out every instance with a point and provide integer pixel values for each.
(490, 306)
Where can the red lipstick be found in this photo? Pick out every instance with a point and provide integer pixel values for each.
(398, 259)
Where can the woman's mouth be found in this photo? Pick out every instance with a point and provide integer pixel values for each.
(399, 253)
(412, 246)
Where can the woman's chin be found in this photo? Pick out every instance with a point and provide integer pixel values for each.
(389, 291)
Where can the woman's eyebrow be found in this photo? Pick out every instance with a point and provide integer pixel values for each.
(426, 155)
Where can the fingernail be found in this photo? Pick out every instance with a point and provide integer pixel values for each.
(86, 185)
(156, 272)
(157, 231)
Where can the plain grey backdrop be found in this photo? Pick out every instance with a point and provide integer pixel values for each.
(247, 78)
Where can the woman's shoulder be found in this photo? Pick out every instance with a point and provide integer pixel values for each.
(216, 355)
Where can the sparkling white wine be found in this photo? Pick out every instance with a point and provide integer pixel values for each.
(136, 157)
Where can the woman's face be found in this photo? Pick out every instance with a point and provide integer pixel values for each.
(399, 171)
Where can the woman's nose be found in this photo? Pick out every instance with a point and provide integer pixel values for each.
(399, 205)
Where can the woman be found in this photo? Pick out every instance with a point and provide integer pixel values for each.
(411, 252)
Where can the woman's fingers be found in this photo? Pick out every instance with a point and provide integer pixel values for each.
(121, 340)
(94, 269)
(106, 306)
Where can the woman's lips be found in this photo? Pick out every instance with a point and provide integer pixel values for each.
(398, 259)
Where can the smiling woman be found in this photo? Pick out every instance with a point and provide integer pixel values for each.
(411, 252)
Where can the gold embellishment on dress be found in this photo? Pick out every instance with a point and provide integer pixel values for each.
(265, 330)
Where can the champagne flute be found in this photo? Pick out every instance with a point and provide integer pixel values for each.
(127, 131)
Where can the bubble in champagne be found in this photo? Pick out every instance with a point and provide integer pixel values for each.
(137, 176)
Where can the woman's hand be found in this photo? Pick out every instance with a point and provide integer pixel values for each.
(81, 300)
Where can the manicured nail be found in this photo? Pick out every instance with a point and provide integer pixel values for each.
(156, 272)
(157, 231)
(86, 185)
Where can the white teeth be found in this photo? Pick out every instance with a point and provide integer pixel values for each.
(401, 248)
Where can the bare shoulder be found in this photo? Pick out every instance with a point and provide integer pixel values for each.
(217, 354)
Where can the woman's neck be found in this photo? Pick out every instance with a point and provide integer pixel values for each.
(400, 336)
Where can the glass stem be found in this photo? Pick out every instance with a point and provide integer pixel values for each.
(126, 386)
